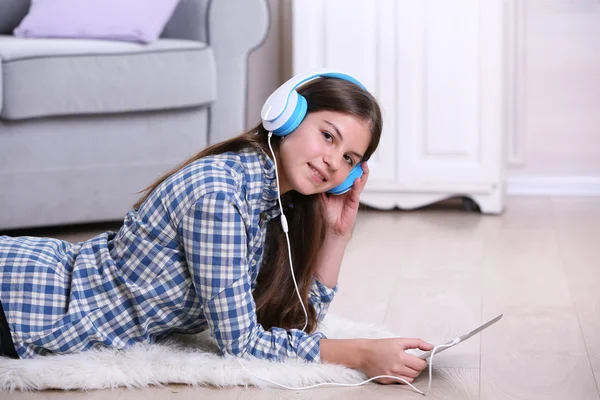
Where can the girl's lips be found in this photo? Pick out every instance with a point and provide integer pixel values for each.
(319, 173)
(315, 175)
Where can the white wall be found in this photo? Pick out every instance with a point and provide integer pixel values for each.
(555, 146)
(557, 142)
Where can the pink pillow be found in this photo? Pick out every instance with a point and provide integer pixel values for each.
(128, 20)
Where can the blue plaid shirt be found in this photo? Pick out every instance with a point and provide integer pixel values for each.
(187, 260)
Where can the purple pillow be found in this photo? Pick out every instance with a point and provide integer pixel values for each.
(129, 20)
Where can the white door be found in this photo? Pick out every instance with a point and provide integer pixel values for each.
(448, 91)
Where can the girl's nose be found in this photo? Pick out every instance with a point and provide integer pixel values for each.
(332, 160)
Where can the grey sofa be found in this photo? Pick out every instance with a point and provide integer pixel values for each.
(86, 124)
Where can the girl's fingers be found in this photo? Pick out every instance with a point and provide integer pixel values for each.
(357, 188)
(415, 343)
(414, 363)
(365, 176)
(362, 181)
(408, 371)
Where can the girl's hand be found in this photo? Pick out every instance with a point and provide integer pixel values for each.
(341, 210)
(388, 357)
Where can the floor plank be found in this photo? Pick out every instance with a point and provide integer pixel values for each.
(578, 225)
(537, 350)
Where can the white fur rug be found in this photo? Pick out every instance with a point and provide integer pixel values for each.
(185, 359)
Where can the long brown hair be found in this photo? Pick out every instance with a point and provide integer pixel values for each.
(277, 304)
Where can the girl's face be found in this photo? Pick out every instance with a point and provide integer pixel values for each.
(320, 153)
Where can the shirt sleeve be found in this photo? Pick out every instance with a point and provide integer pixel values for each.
(321, 296)
(214, 239)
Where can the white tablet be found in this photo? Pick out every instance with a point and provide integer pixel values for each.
(462, 338)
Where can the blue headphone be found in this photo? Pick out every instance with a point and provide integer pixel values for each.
(285, 109)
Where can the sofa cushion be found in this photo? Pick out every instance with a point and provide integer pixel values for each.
(130, 20)
(48, 77)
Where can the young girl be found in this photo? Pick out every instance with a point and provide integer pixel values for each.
(204, 248)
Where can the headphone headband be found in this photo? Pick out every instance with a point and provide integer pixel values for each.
(278, 101)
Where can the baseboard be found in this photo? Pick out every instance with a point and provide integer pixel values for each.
(553, 186)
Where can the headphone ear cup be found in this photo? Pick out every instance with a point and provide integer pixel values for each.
(291, 117)
(345, 186)
(295, 119)
(293, 112)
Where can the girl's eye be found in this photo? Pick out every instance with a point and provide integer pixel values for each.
(349, 159)
(327, 136)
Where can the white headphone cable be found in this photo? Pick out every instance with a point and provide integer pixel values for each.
(285, 230)
(436, 348)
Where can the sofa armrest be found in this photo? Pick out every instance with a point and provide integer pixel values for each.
(1, 87)
(189, 21)
(236, 28)
(233, 28)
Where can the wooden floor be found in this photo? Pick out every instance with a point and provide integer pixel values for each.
(436, 273)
